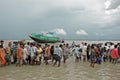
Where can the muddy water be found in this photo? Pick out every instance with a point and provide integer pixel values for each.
(68, 71)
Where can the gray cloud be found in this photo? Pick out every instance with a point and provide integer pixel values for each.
(19, 18)
(114, 4)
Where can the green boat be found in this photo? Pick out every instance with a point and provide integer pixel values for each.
(45, 38)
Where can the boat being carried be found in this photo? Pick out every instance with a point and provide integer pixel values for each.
(45, 38)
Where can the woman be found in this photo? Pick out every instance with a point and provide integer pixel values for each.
(2, 56)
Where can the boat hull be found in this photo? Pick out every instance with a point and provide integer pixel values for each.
(43, 41)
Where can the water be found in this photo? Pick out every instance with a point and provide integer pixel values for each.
(67, 71)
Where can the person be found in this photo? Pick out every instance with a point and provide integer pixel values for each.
(99, 59)
(52, 52)
(88, 51)
(57, 56)
(105, 58)
(2, 56)
(114, 54)
(25, 54)
(14, 51)
(119, 52)
(92, 56)
(32, 54)
(76, 53)
(119, 49)
(8, 53)
(65, 52)
(84, 51)
(110, 51)
(19, 54)
(39, 54)
(28, 50)
(47, 53)
(2, 43)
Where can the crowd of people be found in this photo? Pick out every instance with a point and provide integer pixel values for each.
(32, 53)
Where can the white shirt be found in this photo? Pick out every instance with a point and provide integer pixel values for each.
(25, 53)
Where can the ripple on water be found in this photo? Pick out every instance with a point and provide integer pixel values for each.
(68, 71)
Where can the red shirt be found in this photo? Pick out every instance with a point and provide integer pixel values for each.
(114, 53)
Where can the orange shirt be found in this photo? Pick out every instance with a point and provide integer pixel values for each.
(2, 56)
(19, 52)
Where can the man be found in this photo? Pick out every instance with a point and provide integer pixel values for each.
(114, 54)
(57, 55)
(19, 54)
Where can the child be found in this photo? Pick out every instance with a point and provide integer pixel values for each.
(99, 59)
(104, 55)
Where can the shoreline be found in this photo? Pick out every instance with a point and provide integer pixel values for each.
(71, 41)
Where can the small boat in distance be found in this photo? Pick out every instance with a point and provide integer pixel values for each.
(45, 38)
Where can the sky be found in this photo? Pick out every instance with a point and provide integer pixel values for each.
(68, 19)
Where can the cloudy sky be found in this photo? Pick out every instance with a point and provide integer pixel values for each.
(69, 19)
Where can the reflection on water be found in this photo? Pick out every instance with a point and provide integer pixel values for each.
(68, 71)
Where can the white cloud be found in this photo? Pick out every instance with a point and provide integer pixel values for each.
(81, 32)
(59, 31)
(107, 4)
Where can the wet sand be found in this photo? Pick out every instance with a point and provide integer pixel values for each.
(67, 71)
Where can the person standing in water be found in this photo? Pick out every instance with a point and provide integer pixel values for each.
(92, 56)
(39, 54)
(2, 56)
(8, 53)
(25, 54)
(114, 54)
(57, 55)
(19, 54)
(65, 52)
(47, 54)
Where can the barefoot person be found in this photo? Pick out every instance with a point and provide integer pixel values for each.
(8, 54)
(114, 54)
(25, 54)
(56, 55)
(47, 54)
(19, 55)
(2, 56)
(65, 52)
(39, 54)
(92, 57)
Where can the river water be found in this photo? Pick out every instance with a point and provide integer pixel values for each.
(68, 71)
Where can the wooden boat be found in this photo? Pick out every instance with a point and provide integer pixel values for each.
(45, 38)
